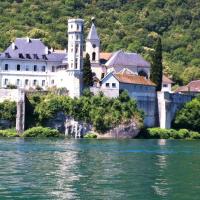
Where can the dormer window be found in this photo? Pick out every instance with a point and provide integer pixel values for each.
(28, 56)
(7, 55)
(35, 56)
(21, 56)
(44, 57)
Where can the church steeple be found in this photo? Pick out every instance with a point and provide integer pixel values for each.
(93, 44)
(93, 33)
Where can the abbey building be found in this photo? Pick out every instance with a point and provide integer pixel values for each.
(27, 63)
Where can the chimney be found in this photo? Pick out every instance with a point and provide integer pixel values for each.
(28, 39)
(51, 50)
(13, 46)
(46, 50)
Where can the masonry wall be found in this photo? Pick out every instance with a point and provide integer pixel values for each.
(19, 97)
(168, 105)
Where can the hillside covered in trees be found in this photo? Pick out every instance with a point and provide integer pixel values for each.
(122, 24)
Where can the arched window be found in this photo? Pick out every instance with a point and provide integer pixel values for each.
(143, 73)
(93, 56)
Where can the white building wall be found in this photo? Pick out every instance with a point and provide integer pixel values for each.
(110, 82)
(166, 87)
(26, 77)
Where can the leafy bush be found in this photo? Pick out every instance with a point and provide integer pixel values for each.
(8, 110)
(102, 112)
(189, 116)
(90, 136)
(159, 133)
(8, 133)
(41, 132)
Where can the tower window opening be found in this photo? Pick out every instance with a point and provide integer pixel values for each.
(76, 64)
(77, 27)
(94, 46)
(93, 56)
(76, 48)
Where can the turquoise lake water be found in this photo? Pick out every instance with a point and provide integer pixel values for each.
(99, 169)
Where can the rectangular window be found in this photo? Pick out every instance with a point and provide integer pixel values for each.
(26, 82)
(107, 84)
(77, 27)
(52, 82)
(53, 69)
(6, 81)
(43, 82)
(34, 82)
(6, 67)
(114, 85)
(18, 82)
(18, 67)
(35, 68)
(43, 68)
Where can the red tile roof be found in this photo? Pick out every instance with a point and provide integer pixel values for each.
(166, 80)
(133, 79)
(193, 86)
(105, 55)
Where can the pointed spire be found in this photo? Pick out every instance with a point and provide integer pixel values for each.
(93, 33)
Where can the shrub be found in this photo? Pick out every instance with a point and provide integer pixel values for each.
(90, 135)
(194, 135)
(189, 116)
(41, 132)
(8, 110)
(183, 133)
(159, 133)
(8, 133)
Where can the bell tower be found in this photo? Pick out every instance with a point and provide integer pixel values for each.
(93, 45)
(75, 57)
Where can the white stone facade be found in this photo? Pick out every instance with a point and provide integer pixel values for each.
(28, 64)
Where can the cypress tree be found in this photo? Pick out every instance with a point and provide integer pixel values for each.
(157, 67)
(87, 72)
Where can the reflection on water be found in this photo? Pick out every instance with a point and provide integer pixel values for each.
(99, 169)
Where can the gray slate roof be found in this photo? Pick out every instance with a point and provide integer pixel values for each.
(93, 33)
(31, 46)
(123, 59)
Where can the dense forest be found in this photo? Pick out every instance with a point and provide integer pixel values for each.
(122, 24)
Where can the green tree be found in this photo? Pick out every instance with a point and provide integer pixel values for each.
(190, 74)
(189, 116)
(87, 72)
(157, 67)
